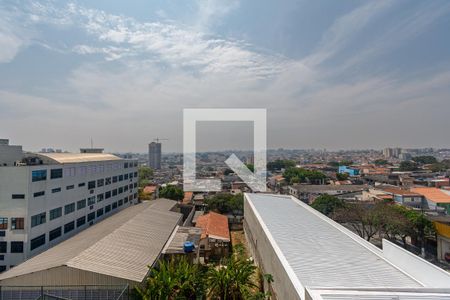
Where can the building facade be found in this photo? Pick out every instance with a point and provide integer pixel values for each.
(154, 155)
(46, 198)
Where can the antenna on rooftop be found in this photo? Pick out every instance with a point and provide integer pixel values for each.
(92, 143)
(158, 139)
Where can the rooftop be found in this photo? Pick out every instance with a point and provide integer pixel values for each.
(397, 191)
(142, 229)
(433, 194)
(214, 226)
(317, 252)
(67, 158)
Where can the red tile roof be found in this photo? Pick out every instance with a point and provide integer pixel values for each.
(214, 225)
(149, 189)
(433, 194)
(188, 197)
(397, 191)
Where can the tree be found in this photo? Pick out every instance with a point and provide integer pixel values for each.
(425, 159)
(341, 176)
(171, 192)
(145, 174)
(327, 204)
(280, 164)
(174, 279)
(364, 221)
(251, 167)
(408, 166)
(380, 162)
(298, 175)
(226, 203)
(233, 280)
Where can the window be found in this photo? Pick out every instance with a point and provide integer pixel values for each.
(120, 190)
(100, 182)
(108, 181)
(55, 233)
(2, 269)
(3, 223)
(81, 184)
(17, 223)
(99, 212)
(120, 202)
(55, 213)
(135, 174)
(38, 175)
(120, 177)
(38, 219)
(56, 173)
(16, 247)
(69, 208)
(107, 208)
(69, 227)
(2, 233)
(135, 185)
(81, 221)
(114, 192)
(91, 200)
(81, 204)
(100, 197)
(39, 194)
(114, 179)
(125, 176)
(91, 216)
(70, 187)
(18, 196)
(2, 257)
(91, 185)
(37, 242)
(108, 195)
(114, 205)
(125, 165)
(130, 175)
(57, 190)
(3, 247)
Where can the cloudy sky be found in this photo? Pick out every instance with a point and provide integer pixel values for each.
(332, 74)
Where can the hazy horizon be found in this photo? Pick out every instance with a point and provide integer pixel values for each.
(331, 74)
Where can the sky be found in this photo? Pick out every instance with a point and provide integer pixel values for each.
(331, 74)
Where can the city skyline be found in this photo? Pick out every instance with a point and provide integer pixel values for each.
(333, 77)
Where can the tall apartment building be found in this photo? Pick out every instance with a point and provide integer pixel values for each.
(154, 155)
(392, 152)
(46, 198)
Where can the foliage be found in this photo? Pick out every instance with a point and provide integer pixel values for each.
(251, 167)
(346, 163)
(232, 280)
(408, 166)
(327, 204)
(280, 164)
(298, 175)
(380, 162)
(226, 203)
(365, 221)
(145, 174)
(425, 159)
(171, 192)
(333, 164)
(341, 176)
(174, 279)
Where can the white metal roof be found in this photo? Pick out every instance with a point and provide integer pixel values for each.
(67, 158)
(320, 252)
(140, 232)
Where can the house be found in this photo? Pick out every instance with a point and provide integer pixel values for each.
(404, 197)
(309, 192)
(443, 239)
(436, 199)
(348, 170)
(215, 239)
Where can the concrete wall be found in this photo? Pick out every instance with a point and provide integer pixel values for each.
(267, 257)
(10, 154)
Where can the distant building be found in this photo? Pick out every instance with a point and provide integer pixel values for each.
(309, 192)
(311, 257)
(154, 155)
(436, 199)
(348, 170)
(392, 152)
(49, 197)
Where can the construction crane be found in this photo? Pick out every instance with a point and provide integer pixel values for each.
(158, 139)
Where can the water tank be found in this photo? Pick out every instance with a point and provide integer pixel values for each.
(188, 247)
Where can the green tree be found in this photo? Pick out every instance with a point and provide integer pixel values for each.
(297, 175)
(408, 166)
(280, 164)
(226, 203)
(327, 204)
(380, 162)
(171, 192)
(174, 279)
(233, 280)
(145, 174)
(251, 167)
(341, 176)
(425, 159)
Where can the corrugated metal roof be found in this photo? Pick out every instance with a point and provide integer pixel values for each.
(67, 158)
(122, 245)
(319, 251)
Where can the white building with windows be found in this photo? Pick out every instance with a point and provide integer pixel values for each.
(46, 198)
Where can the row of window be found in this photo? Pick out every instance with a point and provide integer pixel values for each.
(15, 247)
(68, 227)
(39, 175)
(16, 223)
(55, 213)
(107, 181)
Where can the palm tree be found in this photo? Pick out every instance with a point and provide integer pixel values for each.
(233, 280)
